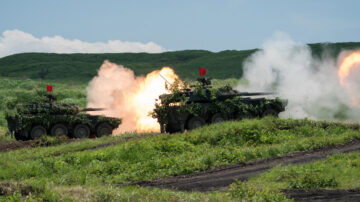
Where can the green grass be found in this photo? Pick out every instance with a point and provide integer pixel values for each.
(338, 171)
(44, 192)
(30, 154)
(168, 155)
(38, 192)
(4, 134)
(82, 67)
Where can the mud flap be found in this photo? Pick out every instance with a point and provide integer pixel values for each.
(182, 127)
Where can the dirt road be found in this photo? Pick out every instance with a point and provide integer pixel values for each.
(324, 195)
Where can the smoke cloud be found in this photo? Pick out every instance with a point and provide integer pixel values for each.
(310, 84)
(16, 41)
(127, 96)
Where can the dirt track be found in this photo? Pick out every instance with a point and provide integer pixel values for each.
(221, 177)
(12, 145)
(324, 195)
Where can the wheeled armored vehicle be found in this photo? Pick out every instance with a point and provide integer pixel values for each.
(187, 109)
(29, 121)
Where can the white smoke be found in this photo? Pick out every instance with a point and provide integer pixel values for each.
(310, 84)
(16, 41)
(110, 90)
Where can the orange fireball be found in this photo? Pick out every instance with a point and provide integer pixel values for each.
(347, 63)
(144, 100)
(349, 80)
(127, 96)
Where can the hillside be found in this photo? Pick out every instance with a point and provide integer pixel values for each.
(82, 67)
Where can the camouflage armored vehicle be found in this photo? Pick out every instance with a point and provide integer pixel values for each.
(35, 119)
(187, 109)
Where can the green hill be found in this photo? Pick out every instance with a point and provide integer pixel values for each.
(82, 67)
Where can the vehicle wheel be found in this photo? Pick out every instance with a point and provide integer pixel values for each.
(170, 129)
(217, 118)
(270, 112)
(103, 129)
(37, 132)
(81, 131)
(20, 136)
(17, 136)
(59, 130)
(196, 122)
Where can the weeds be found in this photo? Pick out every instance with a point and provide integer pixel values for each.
(46, 141)
(248, 192)
(312, 181)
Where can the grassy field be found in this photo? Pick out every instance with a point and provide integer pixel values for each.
(82, 172)
(82, 67)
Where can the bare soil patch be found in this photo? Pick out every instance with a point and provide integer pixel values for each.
(12, 145)
(324, 195)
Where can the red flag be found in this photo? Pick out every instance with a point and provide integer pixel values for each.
(202, 71)
(49, 88)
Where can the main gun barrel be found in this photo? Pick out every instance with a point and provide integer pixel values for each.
(92, 109)
(234, 93)
(254, 94)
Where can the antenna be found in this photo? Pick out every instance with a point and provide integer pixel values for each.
(165, 79)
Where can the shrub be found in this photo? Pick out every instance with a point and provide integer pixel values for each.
(246, 192)
(45, 141)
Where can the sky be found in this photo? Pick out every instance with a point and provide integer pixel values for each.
(161, 25)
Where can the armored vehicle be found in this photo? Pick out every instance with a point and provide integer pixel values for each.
(35, 119)
(187, 109)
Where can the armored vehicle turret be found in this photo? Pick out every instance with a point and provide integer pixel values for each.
(187, 109)
(35, 119)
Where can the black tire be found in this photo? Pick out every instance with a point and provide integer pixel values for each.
(271, 113)
(170, 129)
(195, 122)
(81, 131)
(37, 132)
(217, 118)
(21, 136)
(18, 137)
(59, 130)
(103, 129)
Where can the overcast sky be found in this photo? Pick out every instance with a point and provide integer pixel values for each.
(159, 25)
